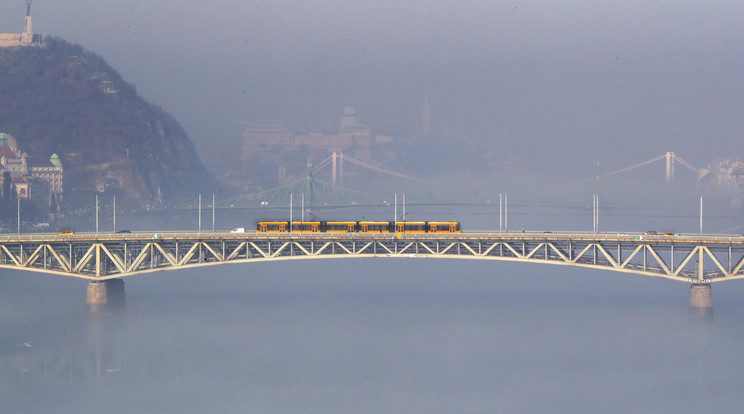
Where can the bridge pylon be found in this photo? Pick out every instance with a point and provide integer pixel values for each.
(670, 166)
(105, 296)
(701, 300)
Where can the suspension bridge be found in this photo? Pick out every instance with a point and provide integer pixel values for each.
(318, 193)
(670, 158)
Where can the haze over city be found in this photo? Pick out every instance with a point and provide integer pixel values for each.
(572, 307)
(569, 81)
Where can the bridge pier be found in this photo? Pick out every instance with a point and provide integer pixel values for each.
(701, 300)
(105, 296)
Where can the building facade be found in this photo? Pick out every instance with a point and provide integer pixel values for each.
(267, 136)
(40, 182)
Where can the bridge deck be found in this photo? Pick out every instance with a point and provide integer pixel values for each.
(694, 258)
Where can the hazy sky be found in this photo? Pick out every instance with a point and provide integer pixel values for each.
(627, 80)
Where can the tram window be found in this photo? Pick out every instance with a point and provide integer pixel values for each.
(378, 227)
(341, 226)
(415, 227)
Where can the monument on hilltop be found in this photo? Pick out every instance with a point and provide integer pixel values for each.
(20, 39)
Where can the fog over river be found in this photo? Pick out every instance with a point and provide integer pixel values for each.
(372, 335)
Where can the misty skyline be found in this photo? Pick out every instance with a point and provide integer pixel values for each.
(571, 81)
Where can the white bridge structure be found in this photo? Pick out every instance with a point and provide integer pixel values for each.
(693, 258)
(698, 259)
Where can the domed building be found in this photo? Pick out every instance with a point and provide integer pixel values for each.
(7, 140)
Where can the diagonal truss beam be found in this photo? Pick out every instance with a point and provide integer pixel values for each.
(104, 258)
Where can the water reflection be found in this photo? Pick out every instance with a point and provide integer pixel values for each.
(370, 335)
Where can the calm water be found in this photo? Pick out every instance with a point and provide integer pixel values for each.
(371, 335)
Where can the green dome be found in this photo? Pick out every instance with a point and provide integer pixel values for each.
(7, 140)
(54, 159)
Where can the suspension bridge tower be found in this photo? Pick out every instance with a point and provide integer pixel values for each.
(337, 174)
(670, 167)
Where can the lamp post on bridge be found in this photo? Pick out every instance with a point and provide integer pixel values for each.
(503, 212)
(701, 214)
(595, 213)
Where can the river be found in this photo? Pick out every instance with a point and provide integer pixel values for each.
(409, 335)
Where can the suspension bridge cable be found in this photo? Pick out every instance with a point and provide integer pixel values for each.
(379, 169)
(322, 164)
(622, 170)
(632, 167)
(687, 164)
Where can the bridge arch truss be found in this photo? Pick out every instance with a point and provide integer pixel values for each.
(697, 259)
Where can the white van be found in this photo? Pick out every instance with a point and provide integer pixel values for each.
(238, 230)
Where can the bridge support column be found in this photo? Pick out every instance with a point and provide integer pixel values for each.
(105, 296)
(701, 301)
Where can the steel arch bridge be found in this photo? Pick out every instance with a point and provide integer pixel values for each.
(696, 259)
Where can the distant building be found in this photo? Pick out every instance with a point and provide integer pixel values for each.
(6, 185)
(267, 136)
(21, 186)
(41, 183)
(349, 126)
(261, 136)
(269, 146)
(51, 173)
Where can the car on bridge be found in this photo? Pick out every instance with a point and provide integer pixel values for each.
(66, 232)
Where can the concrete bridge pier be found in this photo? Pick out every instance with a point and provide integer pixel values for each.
(105, 296)
(701, 301)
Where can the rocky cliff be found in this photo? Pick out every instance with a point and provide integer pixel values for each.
(63, 99)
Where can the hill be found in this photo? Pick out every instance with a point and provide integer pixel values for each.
(63, 99)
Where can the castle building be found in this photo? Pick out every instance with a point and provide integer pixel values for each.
(265, 136)
(262, 136)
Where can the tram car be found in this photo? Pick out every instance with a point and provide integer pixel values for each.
(358, 227)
